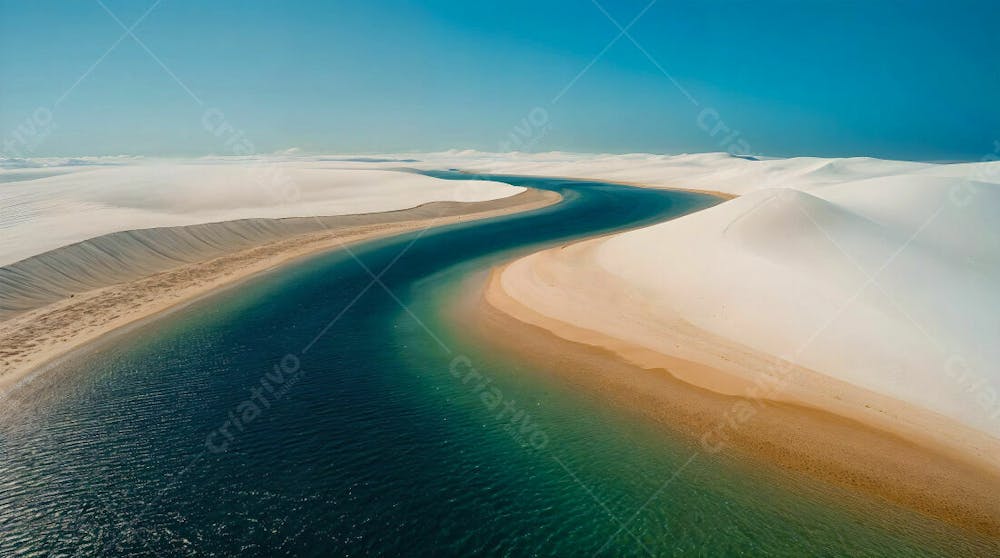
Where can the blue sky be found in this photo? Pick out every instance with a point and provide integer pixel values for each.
(910, 80)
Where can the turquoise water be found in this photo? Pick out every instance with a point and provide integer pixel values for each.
(314, 412)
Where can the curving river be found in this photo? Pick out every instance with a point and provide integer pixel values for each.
(313, 411)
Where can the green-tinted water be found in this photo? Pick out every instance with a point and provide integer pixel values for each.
(313, 411)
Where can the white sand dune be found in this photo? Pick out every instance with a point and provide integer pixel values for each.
(46, 208)
(881, 274)
(72, 228)
(718, 172)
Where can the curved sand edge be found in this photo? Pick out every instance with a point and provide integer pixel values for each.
(702, 388)
(67, 315)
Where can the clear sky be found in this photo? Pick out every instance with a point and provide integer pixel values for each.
(910, 80)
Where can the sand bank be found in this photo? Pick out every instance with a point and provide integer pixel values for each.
(121, 278)
(555, 308)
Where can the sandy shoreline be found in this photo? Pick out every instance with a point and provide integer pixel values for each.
(693, 391)
(42, 335)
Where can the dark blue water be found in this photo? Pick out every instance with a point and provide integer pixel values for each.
(315, 411)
